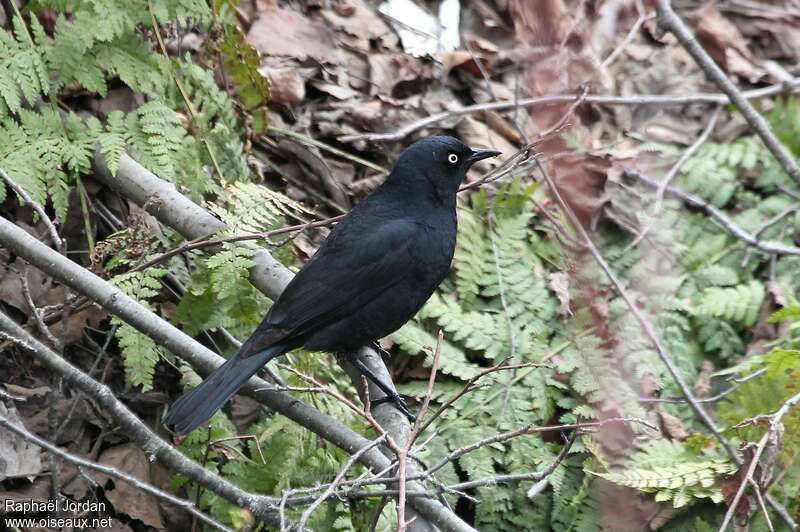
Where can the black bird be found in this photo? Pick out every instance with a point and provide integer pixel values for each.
(375, 270)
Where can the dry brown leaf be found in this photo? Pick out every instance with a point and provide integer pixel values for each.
(27, 393)
(127, 499)
(559, 284)
(464, 61)
(777, 36)
(287, 85)
(18, 457)
(726, 45)
(397, 75)
(340, 92)
(361, 22)
(285, 32)
(672, 426)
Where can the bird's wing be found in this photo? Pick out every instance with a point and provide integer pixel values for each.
(351, 268)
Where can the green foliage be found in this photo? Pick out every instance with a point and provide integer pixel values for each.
(140, 352)
(673, 474)
(714, 172)
(739, 304)
(220, 293)
(251, 86)
(44, 151)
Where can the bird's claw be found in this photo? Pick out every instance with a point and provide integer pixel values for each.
(398, 403)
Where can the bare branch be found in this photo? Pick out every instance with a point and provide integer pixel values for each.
(673, 23)
(112, 472)
(628, 38)
(261, 506)
(329, 491)
(697, 202)
(673, 171)
(632, 99)
(119, 304)
(51, 229)
(775, 427)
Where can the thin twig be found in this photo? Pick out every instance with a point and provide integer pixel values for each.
(332, 486)
(471, 385)
(774, 427)
(51, 229)
(649, 329)
(795, 207)
(184, 95)
(110, 471)
(264, 235)
(644, 322)
(418, 425)
(712, 399)
(519, 477)
(261, 506)
(628, 38)
(37, 318)
(670, 175)
(531, 429)
(697, 202)
(632, 99)
(669, 20)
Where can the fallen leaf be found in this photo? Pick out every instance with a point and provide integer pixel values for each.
(672, 426)
(559, 284)
(27, 393)
(339, 92)
(360, 21)
(397, 75)
(478, 134)
(18, 457)
(726, 45)
(127, 499)
(287, 85)
(285, 32)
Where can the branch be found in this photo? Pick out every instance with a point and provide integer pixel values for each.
(51, 229)
(261, 506)
(110, 471)
(672, 172)
(695, 201)
(355, 491)
(774, 428)
(196, 354)
(329, 491)
(668, 20)
(531, 429)
(632, 99)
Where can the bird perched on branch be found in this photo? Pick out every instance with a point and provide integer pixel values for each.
(375, 270)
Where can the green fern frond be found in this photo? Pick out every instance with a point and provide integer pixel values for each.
(140, 352)
(739, 304)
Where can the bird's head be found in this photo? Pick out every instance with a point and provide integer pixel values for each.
(442, 161)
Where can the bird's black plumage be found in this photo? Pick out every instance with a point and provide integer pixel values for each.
(375, 270)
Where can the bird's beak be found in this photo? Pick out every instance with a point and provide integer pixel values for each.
(479, 155)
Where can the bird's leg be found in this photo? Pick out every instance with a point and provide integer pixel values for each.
(391, 395)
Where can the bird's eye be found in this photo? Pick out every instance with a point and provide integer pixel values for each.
(452, 158)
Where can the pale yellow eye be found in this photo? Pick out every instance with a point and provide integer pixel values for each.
(453, 158)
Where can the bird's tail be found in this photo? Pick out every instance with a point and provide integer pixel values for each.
(198, 405)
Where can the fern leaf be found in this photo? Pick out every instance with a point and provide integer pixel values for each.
(739, 304)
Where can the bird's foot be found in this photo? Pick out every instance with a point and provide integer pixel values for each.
(398, 403)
